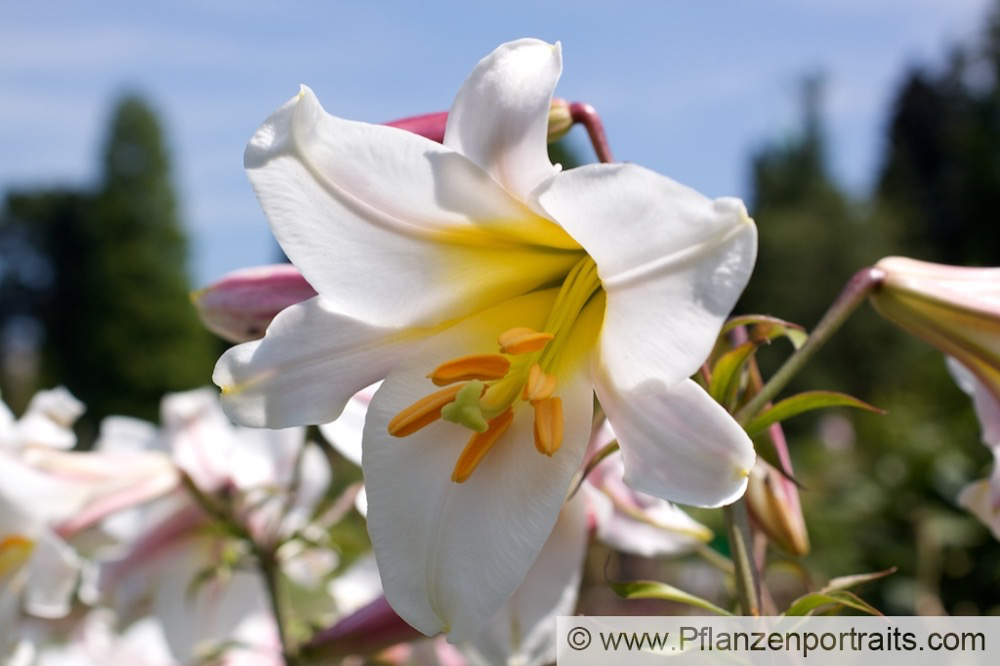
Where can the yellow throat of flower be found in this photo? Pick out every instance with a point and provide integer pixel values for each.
(482, 390)
(15, 549)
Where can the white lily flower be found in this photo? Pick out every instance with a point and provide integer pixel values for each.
(269, 481)
(38, 570)
(427, 258)
(982, 497)
(47, 422)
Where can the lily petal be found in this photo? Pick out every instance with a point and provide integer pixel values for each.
(377, 218)
(307, 367)
(638, 523)
(523, 632)
(987, 406)
(500, 118)
(669, 294)
(451, 553)
(54, 569)
(982, 497)
(344, 433)
(49, 419)
(677, 443)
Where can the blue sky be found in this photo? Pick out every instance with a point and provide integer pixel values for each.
(685, 87)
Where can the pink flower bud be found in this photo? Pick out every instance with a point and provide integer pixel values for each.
(240, 306)
(368, 630)
(430, 125)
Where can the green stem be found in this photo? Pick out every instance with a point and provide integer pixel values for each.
(747, 576)
(269, 568)
(737, 519)
(266, 558)
(854, 292)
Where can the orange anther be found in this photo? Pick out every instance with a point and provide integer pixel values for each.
(475, 366)
(540, 384)
(479, 445)
(422, 413)
(523, 340)
(548, 425)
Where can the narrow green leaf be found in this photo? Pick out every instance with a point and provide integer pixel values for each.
(764, 446)
(805, 605)
(802, 403)
(847, 582)
(727, 370)
(651, 589)
(763, 326)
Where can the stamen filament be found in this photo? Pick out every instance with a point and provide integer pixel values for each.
(548, 425)
(479, 445)
(523, 340)
(423, 412)
(474, 366)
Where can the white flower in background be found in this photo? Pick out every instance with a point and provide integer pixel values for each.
(44, 490)
(982, 497)
(97, 641)
(191, 578)
(521, 290)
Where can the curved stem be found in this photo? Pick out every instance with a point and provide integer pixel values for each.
(269, 568)
(854, 292)
(586, 115)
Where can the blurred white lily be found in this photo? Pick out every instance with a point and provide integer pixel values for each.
(97, 641)
(267, 482)
(47, 494)
(518, 288)
(982, 497)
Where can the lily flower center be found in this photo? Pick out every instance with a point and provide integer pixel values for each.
(482, 390)
(15, 549)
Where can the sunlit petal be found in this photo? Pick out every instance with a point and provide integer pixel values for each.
(451, 553)
(677, 443)
(307, 367)
(377, 218)
(500, 117)
(672, 262)
(344, 433)
(523, 632)
(54, 569)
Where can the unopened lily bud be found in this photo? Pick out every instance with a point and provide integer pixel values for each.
(774, 505)
(368, 630)
(432, 125)
(240, 306)
(954, 308)
(429, 125)
(773, 500)
(560, 119)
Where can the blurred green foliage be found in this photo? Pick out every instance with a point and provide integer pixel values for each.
(880, 491)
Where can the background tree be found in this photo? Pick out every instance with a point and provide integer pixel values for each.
(118, 327)
(941, 174)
